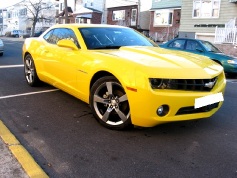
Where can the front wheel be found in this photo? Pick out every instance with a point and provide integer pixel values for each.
(30, 71)
(109, 103)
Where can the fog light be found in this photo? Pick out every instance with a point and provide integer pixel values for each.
(162, 110)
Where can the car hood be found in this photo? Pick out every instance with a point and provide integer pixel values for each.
(154, 60)
(220, 56)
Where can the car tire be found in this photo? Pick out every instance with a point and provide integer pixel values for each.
(109, 103)
(1, 54)
(30, 71)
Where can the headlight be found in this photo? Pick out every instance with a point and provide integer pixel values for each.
(233, 61)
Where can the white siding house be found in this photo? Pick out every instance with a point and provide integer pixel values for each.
(19, 14)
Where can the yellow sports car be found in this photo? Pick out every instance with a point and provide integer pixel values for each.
(124, 77)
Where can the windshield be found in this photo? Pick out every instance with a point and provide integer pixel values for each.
(210, 47)
(112, 38)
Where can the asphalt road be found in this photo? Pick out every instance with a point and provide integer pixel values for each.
(61, 134)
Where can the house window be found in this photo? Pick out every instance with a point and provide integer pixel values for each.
(134, 17)
(206, 8)
(23, 11)
(61, 6)
(163, 17)
(118, 15)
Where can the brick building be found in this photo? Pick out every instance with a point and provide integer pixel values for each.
(165, 19)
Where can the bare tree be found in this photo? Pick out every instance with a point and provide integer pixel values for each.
(35, 8)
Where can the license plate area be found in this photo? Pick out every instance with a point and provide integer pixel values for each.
(208, 101)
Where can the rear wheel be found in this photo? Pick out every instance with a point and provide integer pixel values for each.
(30, 71)
(109, 103)
(1, 54)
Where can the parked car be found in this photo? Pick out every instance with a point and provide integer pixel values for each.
(124, 77)
(16, 33)
(37, 34)
(204, 48)
(1, 47)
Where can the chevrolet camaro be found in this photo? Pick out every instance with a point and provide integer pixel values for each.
(124, 77)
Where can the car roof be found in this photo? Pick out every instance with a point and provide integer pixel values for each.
(73, 25)
(189, 39)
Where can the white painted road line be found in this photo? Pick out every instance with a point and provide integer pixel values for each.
(31, 93)
(11, 66)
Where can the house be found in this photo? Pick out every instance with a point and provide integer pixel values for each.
(18, 15)
(82, 11)
(3, 22)
(134, 14)
(165, 19)
(212, 20)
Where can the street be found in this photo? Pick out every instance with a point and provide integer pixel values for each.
(61, 134)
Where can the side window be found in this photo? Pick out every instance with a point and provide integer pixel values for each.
(59, 34)
(49, 37)
(193, 45)
(178, 44)
(71, 36)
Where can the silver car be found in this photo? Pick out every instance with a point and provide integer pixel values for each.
(1, 47)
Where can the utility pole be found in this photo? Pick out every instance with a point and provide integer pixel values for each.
(66, 12)
(139, 12)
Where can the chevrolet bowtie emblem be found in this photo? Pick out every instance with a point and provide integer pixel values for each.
(210, 84)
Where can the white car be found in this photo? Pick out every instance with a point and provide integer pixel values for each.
(1, 47)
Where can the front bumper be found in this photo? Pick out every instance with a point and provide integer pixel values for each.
(144, 104)
(230, 68)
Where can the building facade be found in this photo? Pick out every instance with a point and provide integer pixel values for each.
(82, 11)
(134, 14)
(3, 20)
(165, 19)
(19, 17)
(200, 18)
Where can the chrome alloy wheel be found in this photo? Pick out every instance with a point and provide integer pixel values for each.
(110, 103)
(30, 71)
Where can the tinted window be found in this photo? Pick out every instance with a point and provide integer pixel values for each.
(61, 33)
(210, 47)
(103, 38)
(179, 44)
(48, 35)
(193, 45)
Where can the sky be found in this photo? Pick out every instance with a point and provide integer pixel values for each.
(6, 3)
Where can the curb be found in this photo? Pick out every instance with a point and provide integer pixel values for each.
(27, 162)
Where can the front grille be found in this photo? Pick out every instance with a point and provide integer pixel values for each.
(192, 84)
(192, 110)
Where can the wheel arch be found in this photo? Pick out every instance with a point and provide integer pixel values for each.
(26, 53)
(217, 62)
(99, 75)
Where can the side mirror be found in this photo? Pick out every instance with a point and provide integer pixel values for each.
(67, 44)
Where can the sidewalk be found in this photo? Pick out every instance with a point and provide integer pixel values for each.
(9, 166)
(15, 161)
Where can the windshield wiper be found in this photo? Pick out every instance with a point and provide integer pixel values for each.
(107, 47)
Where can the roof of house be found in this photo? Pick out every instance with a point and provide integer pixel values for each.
(166, 4)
